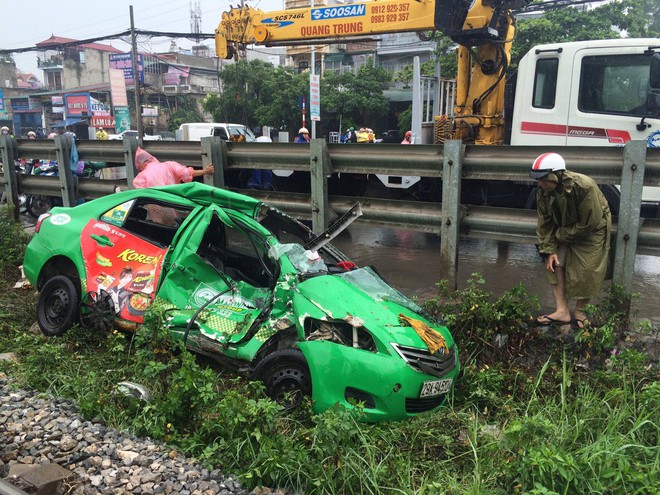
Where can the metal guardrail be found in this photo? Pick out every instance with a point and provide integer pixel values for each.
(631, 166)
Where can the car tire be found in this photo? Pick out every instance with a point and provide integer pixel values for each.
(286, 377)
(38, 204)
(57, 308)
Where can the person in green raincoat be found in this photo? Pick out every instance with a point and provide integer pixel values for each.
(573, 230)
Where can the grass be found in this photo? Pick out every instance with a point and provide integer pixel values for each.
(523, 418)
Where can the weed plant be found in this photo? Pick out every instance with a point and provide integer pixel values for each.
(523, 418)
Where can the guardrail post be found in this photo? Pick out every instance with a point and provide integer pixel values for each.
(8, 156)
(319, 168)
(632, 182)
(214, 151)
(68, 183)
(451, 213)
(130, 147)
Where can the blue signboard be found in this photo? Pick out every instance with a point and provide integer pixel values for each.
(124, 61)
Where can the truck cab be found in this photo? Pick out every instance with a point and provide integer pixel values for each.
(588, 93)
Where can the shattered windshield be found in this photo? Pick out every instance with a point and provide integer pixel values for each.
(368, 281)
(303, 260)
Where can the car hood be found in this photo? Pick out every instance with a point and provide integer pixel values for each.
(362, 298)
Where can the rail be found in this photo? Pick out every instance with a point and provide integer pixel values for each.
(632, 166)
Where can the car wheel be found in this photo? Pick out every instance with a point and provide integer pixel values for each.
(38, 204)
(286, 376)
(97, 311)
(57, 308)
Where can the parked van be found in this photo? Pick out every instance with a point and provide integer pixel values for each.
(195, 131)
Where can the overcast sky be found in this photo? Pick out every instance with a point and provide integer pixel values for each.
(26, 22)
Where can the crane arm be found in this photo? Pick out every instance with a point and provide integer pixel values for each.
(454, 18)
(483, 29)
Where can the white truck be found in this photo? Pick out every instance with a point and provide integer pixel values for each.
(195, 131)
(581, 93)
(588, 93)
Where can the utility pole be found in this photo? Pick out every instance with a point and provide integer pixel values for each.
(136, 79)
(313, 72)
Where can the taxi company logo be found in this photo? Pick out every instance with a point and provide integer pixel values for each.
(204, 295)
(102, 226)
(60, 219)
(338, 12)
(653, 141)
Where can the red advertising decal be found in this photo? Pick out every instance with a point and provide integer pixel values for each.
(123, 265)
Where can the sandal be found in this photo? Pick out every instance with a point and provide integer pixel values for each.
(549, 321)
(578, 324)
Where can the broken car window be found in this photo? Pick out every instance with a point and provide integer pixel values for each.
(304, 261)
(367, 280)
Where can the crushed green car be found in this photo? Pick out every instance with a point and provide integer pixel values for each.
(247, 285)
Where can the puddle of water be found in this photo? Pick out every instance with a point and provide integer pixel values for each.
(409, 261)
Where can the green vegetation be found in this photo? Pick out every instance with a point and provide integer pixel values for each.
(525, 417)
(255, 93)
(186, 111)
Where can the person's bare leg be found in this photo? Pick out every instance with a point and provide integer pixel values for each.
(562, 311)
(579, 304)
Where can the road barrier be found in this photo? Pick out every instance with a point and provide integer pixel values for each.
(632, 166)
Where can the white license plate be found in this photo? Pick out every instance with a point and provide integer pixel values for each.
(436, 387)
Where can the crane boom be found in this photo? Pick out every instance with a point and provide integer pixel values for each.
(483, 29)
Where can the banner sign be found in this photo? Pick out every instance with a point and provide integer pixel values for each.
(118, 88)
(97, 106)
(122, 119)
(105, 121)
(124, 61)
(77, 105)
(20, 104)
(315, 97)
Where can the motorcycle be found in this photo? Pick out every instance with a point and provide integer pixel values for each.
(38, 204)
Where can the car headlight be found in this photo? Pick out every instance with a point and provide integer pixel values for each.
(340, 332)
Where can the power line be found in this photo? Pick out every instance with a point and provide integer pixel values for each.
(141, 32)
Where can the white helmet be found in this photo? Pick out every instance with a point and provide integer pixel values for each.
(303, 130)
(546, 164)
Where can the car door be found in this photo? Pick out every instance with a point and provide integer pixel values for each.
(124, 251)
(209, 304)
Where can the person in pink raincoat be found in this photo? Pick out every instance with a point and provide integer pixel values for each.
(155, 173)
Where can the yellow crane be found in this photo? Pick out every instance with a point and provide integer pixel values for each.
(483, 29)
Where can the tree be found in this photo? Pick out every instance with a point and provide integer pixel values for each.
(186, 111)
(356, 97)
(256, 94)
(632, 18)
(445, 52)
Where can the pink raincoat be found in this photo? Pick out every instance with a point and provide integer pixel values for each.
(154, 173)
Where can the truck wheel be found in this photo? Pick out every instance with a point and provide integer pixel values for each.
(286, 376)
(57, 308)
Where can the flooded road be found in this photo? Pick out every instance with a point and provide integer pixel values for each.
(409, 261)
